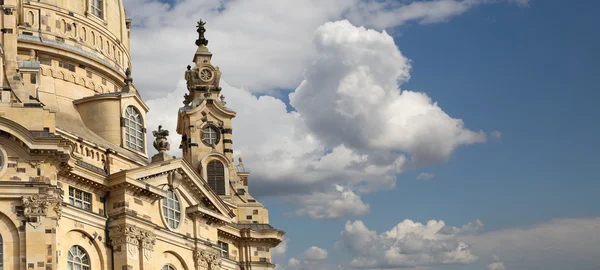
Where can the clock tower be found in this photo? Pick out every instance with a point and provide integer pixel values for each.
(204, 122)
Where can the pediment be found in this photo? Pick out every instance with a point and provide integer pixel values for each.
(177, 173)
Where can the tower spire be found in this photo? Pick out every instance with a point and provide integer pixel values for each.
(201, 39)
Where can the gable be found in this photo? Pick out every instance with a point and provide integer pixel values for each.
(178, 174)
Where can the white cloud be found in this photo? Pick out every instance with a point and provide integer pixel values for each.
(352, 126)
(425, 176)
(279, 251)
(260, 45)
(315, 253)
(496, 134)
(338, 203)
(496, 266)
(293, 262)
(554, 245)
(408, 244)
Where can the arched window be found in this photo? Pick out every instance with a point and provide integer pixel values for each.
(168, 267)
(1, 253)
(78, 259)
(215, 173)
(134, 129)
(171, 209)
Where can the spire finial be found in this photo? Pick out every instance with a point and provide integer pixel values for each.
(201, 39)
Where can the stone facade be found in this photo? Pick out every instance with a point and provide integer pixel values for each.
(77, 188)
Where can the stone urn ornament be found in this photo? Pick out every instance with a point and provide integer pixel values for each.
(161, 143)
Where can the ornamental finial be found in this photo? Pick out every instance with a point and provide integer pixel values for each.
(161, 143)
(201, 39)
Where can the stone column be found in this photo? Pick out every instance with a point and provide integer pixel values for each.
(41, 213)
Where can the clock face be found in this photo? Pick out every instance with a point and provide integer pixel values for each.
(206, 75)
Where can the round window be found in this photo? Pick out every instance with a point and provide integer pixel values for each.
(210, 135)
(171, 209)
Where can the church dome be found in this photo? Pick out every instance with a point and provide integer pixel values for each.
(82, 42)
(73, 59)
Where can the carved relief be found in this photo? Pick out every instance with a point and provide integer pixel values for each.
(208, 259)
(132, 239)
(34, 205)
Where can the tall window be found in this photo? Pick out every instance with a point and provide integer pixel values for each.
(1, 253)
(168, 267)
(97, 8)
(78, 259)
(171, 209)
(80, 198)
(223, 249)
(134, 129)
(210, 135)
(216, 176)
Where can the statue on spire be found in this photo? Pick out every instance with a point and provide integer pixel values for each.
(201, 39)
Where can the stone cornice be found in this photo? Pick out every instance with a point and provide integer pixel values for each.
(120, 181)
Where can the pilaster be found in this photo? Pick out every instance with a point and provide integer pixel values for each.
(132, 246)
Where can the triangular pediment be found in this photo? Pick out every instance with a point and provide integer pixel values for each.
(178, 174)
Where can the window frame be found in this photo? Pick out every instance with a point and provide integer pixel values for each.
(139, 135)
(71, 261)
(166, 210)
(223, 249)
(215, 177)
(73, 198)
(217, 134)
(97, 8)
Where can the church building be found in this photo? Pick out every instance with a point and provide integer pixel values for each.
(78, 190)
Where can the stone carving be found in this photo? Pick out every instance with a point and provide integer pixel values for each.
(210, 259)
(58, 210)
(187, 99)
(161, 143)
(174, 178)
(128, 79)
(133, 238)
(201, 39)
(35, 205)
(223, 100)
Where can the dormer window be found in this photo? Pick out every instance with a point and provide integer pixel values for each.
(134, 129)
(97, 8)
(210, 135)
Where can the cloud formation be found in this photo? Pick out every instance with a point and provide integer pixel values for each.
(553, 245)
(351, 131)
(257, 52)
(408, 244)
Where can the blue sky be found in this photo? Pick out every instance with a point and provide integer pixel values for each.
(527, 71)
(531, 73)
